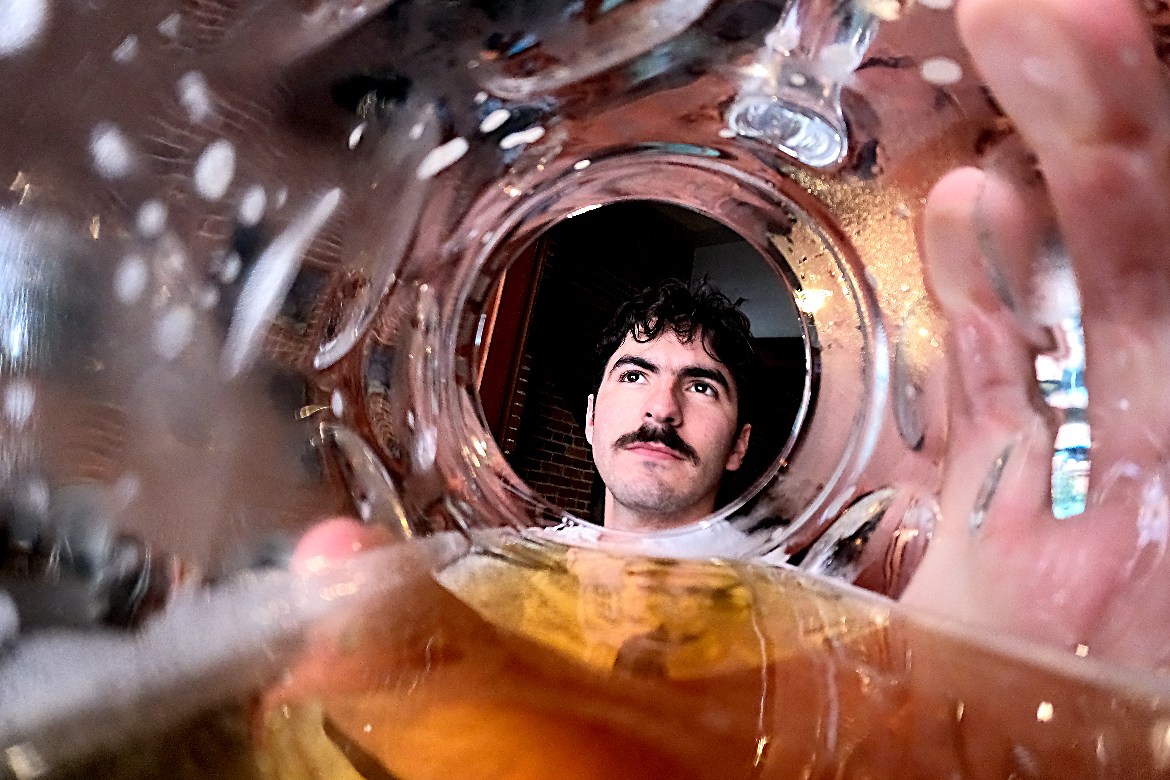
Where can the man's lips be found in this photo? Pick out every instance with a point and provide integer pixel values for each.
(657, 451)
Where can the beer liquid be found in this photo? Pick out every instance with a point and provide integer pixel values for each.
(532, 660)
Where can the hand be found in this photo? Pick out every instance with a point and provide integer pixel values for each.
(1082, 83)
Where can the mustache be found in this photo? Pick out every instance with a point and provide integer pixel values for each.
(653, 434)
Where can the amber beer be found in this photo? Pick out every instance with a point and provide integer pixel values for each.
(533, 660)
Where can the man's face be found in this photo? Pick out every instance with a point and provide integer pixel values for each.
(663, 430)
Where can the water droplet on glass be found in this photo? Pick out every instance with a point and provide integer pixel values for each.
(494, 121)
(173, 332)
(21, 23)
(942, 71)
(151, 219)
(214, 170)
(19, 400)
(111, 151)
(169, 27)
(355, 135)
(252, 205)
(441, 157)
(938, 5)
(130, 279)
(529, 136)
(126, 51)
(337, 403)
(195, 95)
(229, 268)
(207, 297)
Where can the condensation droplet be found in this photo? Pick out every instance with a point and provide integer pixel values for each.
(1044, 712)
(938, 5)
(480, 97)
(19, 400)
(495, 120)
(195, 95)
(252, 205)
(21, 23)
(442, 157)
(127, 50)
(356, 134)
(581, 165)
(214, 170)
(169, 27)
(173, 331)
(229, 268)
(1082, 651)
(425, 447)
(110, 150)
(942, 71)
(152, 218)
(529, 136)
(130, 279)
(337, 403)
(207, 297)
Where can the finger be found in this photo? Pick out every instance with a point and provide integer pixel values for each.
(334, 541)
(1000, 434)
(1083, 85)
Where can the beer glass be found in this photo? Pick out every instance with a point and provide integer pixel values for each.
(258, 519)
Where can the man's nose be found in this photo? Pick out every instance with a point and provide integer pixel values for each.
(663, 406)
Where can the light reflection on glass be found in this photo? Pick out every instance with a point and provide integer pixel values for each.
(1062, 382)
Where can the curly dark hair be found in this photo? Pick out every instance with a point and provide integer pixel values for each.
(688, 312)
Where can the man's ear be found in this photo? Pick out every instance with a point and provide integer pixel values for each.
(589, 419)
(739, 449)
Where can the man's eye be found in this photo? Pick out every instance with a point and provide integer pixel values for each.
(631, 376)
(705, 388)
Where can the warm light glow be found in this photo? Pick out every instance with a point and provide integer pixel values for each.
(812, 301)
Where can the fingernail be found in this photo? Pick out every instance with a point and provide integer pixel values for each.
(1035, 68)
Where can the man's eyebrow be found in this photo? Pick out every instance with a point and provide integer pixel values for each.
(702, 372)
(637, 362)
